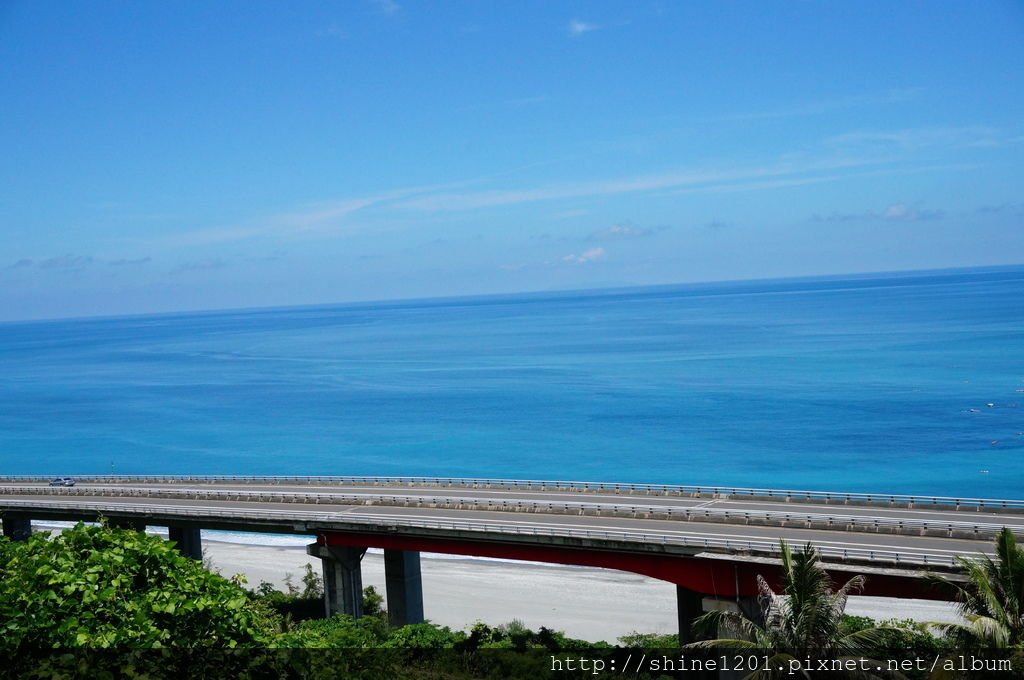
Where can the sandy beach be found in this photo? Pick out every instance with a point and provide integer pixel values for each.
(588, 603)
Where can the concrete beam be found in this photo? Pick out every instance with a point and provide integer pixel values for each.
(17, 527)
(404, 587)
(343, 578)
(187, 540)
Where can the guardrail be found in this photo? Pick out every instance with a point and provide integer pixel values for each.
(782, 495)
(329, 521)
(784, 519)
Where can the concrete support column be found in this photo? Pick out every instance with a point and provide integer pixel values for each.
(17, 527)
(187, 540)
(690, 605)
(343, 578)
(404, 587)
(750, 607)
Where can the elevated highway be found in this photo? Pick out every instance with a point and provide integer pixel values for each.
(710, 542)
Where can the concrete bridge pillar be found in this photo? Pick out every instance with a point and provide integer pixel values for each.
(17, 527)
(343, 578)
(187, 540)
(750, 607)
(404, 587)
(690, 605)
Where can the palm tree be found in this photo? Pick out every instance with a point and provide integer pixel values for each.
(991, 599)
(803, 621)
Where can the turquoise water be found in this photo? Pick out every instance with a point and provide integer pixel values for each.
(879, 384)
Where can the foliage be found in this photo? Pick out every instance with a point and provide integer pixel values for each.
(294, 606)
(897, 634)
(805, 620)
(95, 587)
(373, 603)
(992, 599)
(423, 636)
(100, 587)
(650, 640)
(289, 584)
(312, 583)
(337, 631)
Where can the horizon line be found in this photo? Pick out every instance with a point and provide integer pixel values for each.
(462, 298)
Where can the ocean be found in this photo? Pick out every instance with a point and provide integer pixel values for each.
(906, 383)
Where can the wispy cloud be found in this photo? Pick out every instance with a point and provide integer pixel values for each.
(509, 103)
(1016, 209)
(823, 106)
(122, 262)
(577, 28)
(570, 213)
(332, 31)
(586, 256)
(311, 219)
(206, 264)
(385, 209)
(325, 218)
(389, 7)
(896, 212)
(66, 262)
(914, 139)
(624, 231)
(708, 178)
(901, 212)
(72, 263)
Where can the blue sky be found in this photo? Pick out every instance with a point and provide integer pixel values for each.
(193, 155)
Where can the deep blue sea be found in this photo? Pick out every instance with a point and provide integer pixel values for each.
(902, 383)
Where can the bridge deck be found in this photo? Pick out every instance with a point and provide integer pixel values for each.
(608, 523)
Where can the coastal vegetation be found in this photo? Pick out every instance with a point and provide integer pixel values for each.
(806, 619)
(991, 600)
(98, 587)
(96, 601)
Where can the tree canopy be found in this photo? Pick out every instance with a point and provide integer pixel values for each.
(992, 598)
(99, 587)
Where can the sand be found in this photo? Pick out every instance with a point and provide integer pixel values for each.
(588, 603)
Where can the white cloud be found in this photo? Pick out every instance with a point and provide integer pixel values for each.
(578, 28)
(387, 6)
(327, 217)
(124, 261)
(1016, 209)
(206, 264)
(586, 256)
(822, 106)
(913, 139)
(67, 262)
(895, 212)
(666, 181)
(901, 212)
(624, 231)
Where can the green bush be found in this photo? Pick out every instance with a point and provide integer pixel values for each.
(897, 634)
(650, 640)
(98, 587)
